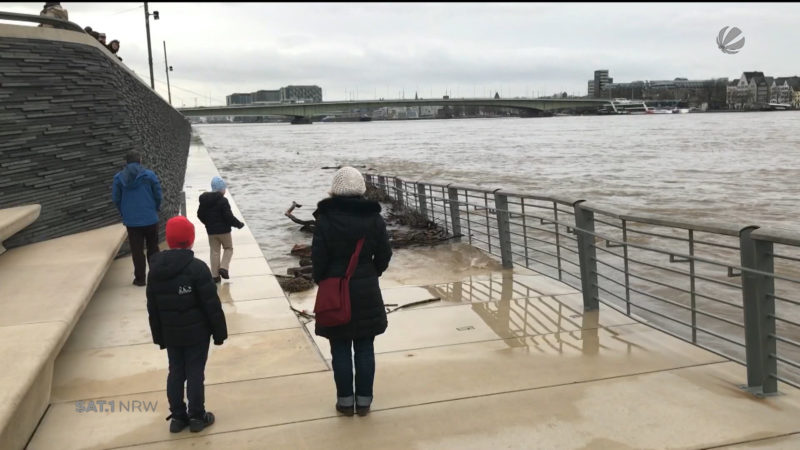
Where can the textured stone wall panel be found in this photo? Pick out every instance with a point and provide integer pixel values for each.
(68, 115)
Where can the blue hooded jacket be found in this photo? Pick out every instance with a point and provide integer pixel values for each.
(136, 193)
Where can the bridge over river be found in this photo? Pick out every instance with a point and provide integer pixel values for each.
(303, 112)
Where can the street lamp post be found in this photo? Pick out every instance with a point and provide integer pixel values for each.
(149, 51)
(168, 69)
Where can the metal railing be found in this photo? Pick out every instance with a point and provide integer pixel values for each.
(731, 290)
(57, 23)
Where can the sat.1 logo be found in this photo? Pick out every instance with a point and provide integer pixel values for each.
(726, 43)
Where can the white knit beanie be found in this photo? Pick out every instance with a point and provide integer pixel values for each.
(348, 181)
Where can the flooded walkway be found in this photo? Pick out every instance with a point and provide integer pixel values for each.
(507, 358)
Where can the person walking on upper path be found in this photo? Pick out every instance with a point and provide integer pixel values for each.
(136, 192)
(54, 10)
(341, 221)
(185, 313)
(215, 213)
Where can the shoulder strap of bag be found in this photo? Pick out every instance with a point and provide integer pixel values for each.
(351, 268)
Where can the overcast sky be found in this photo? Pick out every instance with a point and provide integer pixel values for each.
(369, 50)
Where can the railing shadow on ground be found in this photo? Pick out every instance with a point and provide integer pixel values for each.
(729, 289)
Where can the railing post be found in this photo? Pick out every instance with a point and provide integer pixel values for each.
(398, 190)
(423, 207)
(584, 224)
(382, 184)
(759, 313)
(503, 228)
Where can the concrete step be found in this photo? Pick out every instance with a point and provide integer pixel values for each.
(44, 289)
(15, 219)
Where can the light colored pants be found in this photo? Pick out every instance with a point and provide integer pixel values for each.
(216, 241)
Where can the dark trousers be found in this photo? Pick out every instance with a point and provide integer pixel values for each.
(187, 364)
(137, 236)
(344, 352)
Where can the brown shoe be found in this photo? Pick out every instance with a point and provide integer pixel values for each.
(217, 280)
(224, 273)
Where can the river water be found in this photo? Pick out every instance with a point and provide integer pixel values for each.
(736, 169)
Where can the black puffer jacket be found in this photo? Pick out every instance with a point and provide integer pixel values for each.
(340, 223)
(182, 301)
(215, 213)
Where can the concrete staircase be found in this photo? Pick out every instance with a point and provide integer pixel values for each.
(44, 289)
(15, 219)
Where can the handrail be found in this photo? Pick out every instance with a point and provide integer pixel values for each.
(617, 253)
(58, 23)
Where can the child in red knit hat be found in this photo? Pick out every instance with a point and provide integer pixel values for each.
(185, 312)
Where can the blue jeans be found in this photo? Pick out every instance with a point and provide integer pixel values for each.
(343, 353)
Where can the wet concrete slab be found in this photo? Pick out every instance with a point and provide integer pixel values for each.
(118, 328)
(602, 403)
(111, 371)
(485, 321)
(601, 414)
(791, 442)
(239, 252)
(117, 295)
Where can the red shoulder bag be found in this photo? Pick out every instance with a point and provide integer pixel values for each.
(332, 306)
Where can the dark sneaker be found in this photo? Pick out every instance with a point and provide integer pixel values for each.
(224, 273)
(217, 280)
(178, 423)
(199, 424)
(139, 283)
(362, 410)
(346, 410)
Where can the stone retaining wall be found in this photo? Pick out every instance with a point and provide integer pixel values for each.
(69, 112)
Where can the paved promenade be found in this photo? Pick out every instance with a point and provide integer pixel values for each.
(506, 359)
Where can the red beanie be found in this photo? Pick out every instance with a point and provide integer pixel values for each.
(180, 232)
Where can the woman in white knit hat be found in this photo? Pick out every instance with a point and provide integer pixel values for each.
(341, 221)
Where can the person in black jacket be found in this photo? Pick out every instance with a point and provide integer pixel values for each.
(184, 312)
(215, 213)
(341, 221)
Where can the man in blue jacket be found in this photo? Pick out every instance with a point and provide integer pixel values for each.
(136, 193)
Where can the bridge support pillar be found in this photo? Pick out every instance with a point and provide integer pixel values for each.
(301, 120)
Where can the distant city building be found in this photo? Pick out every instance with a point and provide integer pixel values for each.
(239, 99)
(311, 94)
(704, 94)
(597, 86)
(264, 96)
(287, 94)
(753, 90)
(784, 89)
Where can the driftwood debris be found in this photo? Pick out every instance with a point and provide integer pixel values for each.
(307, 225)
(301, 250)
(339, 167)
(407, 228)
(294, 284)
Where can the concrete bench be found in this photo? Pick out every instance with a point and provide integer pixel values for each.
(44, 289)
(15, 219)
